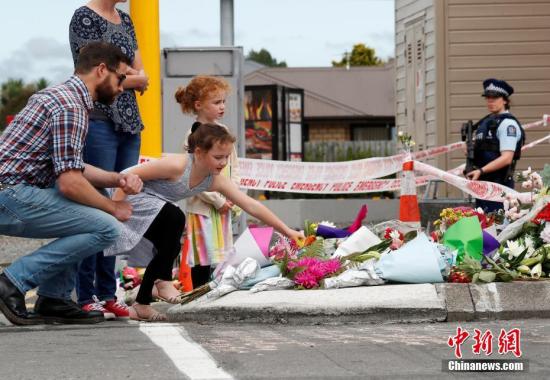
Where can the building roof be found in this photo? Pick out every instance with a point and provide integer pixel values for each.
(335, 91)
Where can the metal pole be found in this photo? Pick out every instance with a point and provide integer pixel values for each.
(145, 16)
(227, 33)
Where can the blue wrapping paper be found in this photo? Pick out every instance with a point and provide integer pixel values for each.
(417, 262)
(262, 274)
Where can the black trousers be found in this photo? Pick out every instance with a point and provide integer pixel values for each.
(165, 233)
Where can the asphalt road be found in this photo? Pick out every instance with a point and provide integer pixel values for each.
(122, 349)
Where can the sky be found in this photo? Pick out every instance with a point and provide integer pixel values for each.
(34, 33)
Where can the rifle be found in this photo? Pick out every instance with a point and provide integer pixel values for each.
(467, 134)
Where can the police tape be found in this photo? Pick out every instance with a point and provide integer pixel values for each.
(489, 191)
(256, 171)
(337, 177)
(348, 177)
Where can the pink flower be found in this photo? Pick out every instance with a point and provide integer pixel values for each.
(306, 279)
(281, 249)
(313, 270)
(331, 266)
(303, 262)
(396, 244)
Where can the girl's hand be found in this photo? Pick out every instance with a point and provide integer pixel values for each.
(295, 235)
(226, 207)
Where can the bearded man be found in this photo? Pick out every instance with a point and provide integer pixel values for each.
(47, 191)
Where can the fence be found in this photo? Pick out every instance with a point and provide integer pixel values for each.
(332, 151)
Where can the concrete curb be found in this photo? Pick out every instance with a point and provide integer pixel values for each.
(375, 304)
(400, 303)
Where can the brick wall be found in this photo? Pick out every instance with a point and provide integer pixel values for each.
(329, 131)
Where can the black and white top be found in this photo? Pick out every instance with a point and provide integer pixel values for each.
(87, 26)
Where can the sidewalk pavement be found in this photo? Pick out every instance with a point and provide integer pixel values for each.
(375, 304)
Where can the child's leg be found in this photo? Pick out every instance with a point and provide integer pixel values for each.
(165, 233)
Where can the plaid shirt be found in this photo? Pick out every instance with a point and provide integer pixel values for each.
(47, 137)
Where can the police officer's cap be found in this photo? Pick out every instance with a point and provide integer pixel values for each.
(496, 88)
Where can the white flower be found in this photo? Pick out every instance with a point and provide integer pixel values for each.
(537, 180)
(536, 271)
(514, 248)
(480, 211)
(530, 244)
(394, 234)
(328, 224)
(528, 185)
(400, 133)
(526, 173)
(545, 234)
(506, 204)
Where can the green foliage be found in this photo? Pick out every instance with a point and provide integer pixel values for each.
(315, 249)
(264, 57)
(308, 228)
(361, 55)
(369, 252)
(14, 95)
(322, 151)
(545, 174)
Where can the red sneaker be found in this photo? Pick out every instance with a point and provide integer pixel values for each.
(119, 309)
(98, 306)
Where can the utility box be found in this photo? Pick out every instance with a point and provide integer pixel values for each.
(179, 66)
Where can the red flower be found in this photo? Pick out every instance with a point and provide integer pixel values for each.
(544, 214)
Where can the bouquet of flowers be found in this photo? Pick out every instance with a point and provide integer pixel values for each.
(305, 261)
(525, 241)
(450, 216)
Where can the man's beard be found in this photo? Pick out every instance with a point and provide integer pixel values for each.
(105, 93)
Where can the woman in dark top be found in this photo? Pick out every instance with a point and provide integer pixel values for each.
(113, 140)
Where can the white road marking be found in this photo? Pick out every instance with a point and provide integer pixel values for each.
(189, 357)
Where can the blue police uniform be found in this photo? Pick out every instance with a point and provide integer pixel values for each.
(496, 133)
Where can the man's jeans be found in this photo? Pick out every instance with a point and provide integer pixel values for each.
(112, 151)
(31, 212)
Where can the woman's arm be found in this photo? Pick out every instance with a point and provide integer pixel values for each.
(252, 206)
(135, 77)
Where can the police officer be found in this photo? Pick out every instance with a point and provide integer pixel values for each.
(498, 141)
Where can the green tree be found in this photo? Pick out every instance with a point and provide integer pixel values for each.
(14, 95)
(361, 55)
(264, 57)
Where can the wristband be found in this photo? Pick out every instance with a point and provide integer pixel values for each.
(481, 172)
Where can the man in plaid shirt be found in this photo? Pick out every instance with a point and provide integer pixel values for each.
(47, 191)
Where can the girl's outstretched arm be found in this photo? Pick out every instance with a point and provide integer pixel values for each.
(169, 167)
(253, 207)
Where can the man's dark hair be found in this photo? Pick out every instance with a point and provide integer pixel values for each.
(96, 53)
